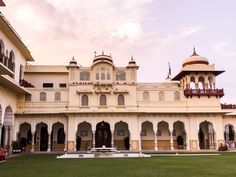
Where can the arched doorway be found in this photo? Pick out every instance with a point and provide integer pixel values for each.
(206, 135)
(25, 136)
(84, 136)
(8, 125)
(229, 135)
(163, 136)
(58, 137)
(103, 135)
(41, 137)
(121, 136)
(179, 135)
(147, 136)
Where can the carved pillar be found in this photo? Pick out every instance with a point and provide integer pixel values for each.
(171, 141)
(49, 142)
(139, 142)
(65, 140)
(32, 141)
(155, 140)
(93, 145)
(112, 138)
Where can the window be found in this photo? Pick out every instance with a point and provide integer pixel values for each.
(11, 61)
(108, 76)
(62, 85)
(176, 96)
(84, 76)
(43, 96)
(47, 85)
(21, 73)
(120, 76)
(1, 51)
(57, 96)
(121, 100)
(161, 96)
(27, 97)
(97, 76)
(103, 100)
(84, 100)
(146, 96)
(103, 76)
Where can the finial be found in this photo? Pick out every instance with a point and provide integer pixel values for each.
(194, 52)
(2, 3)
(132, 58)
(95, 53)
(102, 52)
(169, 72)
(73, 58)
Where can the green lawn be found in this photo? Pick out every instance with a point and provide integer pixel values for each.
(49, 166)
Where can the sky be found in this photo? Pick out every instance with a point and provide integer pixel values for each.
(154, 32)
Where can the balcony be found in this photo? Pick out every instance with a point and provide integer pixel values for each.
(204, 92)
(26, 84)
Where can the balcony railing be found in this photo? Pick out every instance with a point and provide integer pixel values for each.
(228, 106)
(204, 92)
(26, 84)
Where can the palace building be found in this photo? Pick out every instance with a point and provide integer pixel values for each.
(74, 108)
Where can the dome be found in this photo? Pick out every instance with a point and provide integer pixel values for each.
(195, 59)
(102, 57)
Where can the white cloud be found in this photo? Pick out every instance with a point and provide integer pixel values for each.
(220, 46)
(129, 30)
(184, 33)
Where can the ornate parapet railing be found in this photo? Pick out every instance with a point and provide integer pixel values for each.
(228, 106)
(204, 92)
(161, 103)
(42, 104)
(26, 84)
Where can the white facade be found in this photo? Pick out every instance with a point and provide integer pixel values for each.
(71, 108)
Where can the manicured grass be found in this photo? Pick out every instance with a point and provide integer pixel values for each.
(48, 166)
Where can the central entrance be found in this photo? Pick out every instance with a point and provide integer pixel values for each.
(103, 135)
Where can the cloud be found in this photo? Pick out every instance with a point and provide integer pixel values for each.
(129, 30)
(182, 34)
(220, 46)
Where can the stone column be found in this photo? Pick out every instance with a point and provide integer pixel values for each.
(32, 141)
(93, 145)
(112, 138)
(156, 143)
(187, 145)
(139, 142)
(49, 142)
(65, 140)
(171, 141)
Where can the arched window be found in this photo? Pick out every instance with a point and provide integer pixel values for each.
(176, 96)
(161, 96)
(84, 100)
(6, 59)
(146, 96)
(11, 61)
(201, 82)
(97, 76)
(103, 100)
(1, 51)
(192, 83)
(84, 76)
(120, 76)
(43, 96)
(121, 100)
(57, 96)
(108, 76)
(103, 76)
(210, 82)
